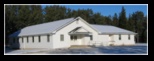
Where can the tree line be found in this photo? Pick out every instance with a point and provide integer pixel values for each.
(20, 16)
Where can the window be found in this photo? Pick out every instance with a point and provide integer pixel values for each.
(22, 39)
(110, 35)
(33, 39)
(128, 37)
(27, 39)
(39, 38)
(91, 37)
(71, 37)
(48, 38)
(62, 37)
(75, 37)
(119, 37)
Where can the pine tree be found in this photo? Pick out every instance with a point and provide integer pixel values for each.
(36, 15)
(115, 20)
(122, 18)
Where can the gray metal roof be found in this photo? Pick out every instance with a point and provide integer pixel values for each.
(42, 28)
(50, 27)
(108, 29)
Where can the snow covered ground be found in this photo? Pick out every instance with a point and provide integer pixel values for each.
(137, 49)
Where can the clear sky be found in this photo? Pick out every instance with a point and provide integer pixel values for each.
(110, 9)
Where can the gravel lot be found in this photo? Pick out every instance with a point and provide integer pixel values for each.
(137, 49)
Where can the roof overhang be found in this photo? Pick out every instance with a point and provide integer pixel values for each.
(79, 30)
(77, 33)
(116, 33)
(31, 35)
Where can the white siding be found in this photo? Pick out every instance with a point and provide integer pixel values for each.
(124, 40)
(36, 44)
(87, 41)
(81, 30)
(55, 42)
(103, 39)
(67, 41)
(42, 44)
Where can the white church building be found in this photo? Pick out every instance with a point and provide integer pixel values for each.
(67, 32)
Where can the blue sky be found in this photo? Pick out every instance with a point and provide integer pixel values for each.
(110, 9)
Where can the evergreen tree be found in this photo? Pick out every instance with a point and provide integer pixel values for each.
(55, 13)
(139, 19)
(115, 20)
(36, 15)
(122, 18)
(20, 16)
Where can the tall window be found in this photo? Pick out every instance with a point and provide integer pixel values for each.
(129, 36)
(27, 39)
(62, 37)
(22, 39)
(33, 38)
(71, 37)
(39, 38)
(120, 37)
(91, 37)
(75, 37)
(48, 38)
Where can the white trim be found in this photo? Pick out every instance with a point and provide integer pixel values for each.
(88, 24)
(61, 27)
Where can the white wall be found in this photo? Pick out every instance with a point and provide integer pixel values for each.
(36, 44)
(86, 40)
(131, 41)
(124, 40)
(56, 43)
(66, 43)
(106, 41)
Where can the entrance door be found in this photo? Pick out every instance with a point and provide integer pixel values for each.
(79, 39)
(76, 39)
(86, 40)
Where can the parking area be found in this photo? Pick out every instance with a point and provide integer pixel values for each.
(136, 49)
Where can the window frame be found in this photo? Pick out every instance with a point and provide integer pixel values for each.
(39, 38)
(48, 38)
(61, 37)
(72, 37)
(129, 37)
(91, 37)
(33, 39)
(22, 39)
(119, 36)
(27, 39)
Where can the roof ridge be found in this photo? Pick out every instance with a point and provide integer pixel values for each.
(48, 22)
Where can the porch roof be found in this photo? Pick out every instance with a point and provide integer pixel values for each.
(79, 30)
